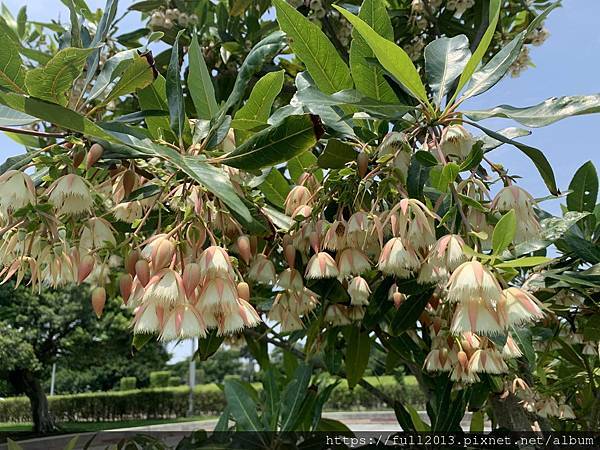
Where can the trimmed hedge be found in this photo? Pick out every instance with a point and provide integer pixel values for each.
(160, 379)
(127, 383)
(172, 402)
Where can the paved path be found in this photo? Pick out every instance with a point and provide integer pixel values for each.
(171, 433)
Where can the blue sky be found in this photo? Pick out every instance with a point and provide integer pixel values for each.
(567, 64)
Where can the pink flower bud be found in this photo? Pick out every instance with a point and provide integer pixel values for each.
(78, 156)
(94, 154)
(98, 300)
(85, 268)
(290, 255)
(298, 196)
(129, 181)
(191, 278)
(142, 271)
(130, 261)
(243, 244)
(363, 164)
(163, 255)
(125, 285)
(243, 291)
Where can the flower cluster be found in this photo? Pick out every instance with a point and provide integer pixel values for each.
(170, 17)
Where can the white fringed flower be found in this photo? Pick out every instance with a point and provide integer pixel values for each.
(16, 191)
(70, 195)
(214, 262)
(219, 294)
(517, 306)
(321, 265)
(456, 141)
(476, 316)
(290, 279)
(182, 323)
(262, 270)
(511, 349)
(398, 258)
(97, 233)
(359, 291)
(352, 261)
(148, 319)
(437, 360)
(128, 212)
(298, 196)
(487, 361)
(336, 315)
(471, 280)
(165, 287)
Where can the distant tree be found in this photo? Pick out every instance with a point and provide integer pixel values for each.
(37, 330)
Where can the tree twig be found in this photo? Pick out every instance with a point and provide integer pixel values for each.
(32, 132)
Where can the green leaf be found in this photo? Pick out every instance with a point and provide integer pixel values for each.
(310, 96)
(12, 445)
(272, 402)
(200, 84)
(332, 426)
(549, 111)
(259, 104)
(490, 143)
(207, 346)
(477, 420)
(153, 98)
(293, 395)
(536, 156)
(504, 232)
(584, 189)
(418, 423)
(104, 25)
(12, 72)
(358, 349)
(527, 261)
(275, 188)
(486, 77)
(480, 51)
(10, 117)
(242, 406)
(300, 164)
(278, 143)
(52, 81)
(392, 58)
(137, 75)
(409, 312)
(417, 177)
(111, 69)
(139, 340)
(56, 114)
(445, 59)
(368, 77)
(336, 155)
(523, 337)
(474, 157)
(442, 176)
(175, 92)
(75, 27)
(312, 47)
(223, 422)
(426, 158)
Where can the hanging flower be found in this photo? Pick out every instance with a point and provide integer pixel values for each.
(16, 191)
(321, 265)
(351, 261)
(70, 195)
(359, 291)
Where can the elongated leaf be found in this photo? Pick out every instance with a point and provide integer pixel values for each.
(242, 406)
(293, 396)
(153, 98)
(310, 96)
(52, 81)
(409, 312)
(523, 337)
(536, 156)
(106, 21)
(12, 72)
(137, 75)
(477, 420)
(75, 27)
(336, 155)
(278, 143)
(549, 111)
(584, 189)
(392, 58)
(304, 162)
(200, 85)
(260, 54)
(10, 117)
(490, 143)
(504, 232)
(259, 104)
(527, 261)
(480, 51)
(271, 391)
(368, 77)
(486, 77)
(312, 47)
(207, 346)
(59, 115)
(111, 69)
(275, 187)
(175, 91)
(445, 59)
(357, 355)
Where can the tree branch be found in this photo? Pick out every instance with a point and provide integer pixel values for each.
(32, 132)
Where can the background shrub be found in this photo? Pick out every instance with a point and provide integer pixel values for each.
(171, 402)
(175, 381)
(160, 379)
(127, 383)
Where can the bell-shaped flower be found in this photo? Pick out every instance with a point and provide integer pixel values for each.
(215, 262)
(70, 195)
(398, 258)
(456, 141)
(298, 196)
(477, 316)
(262, 270)
(182, 323)
(16, 191)
(321, 265)
(471, 280)
(129, 211)
(517, 306)
(359, 291)
(166, 288)
(219, 294)
(290, 279)
(352, 261)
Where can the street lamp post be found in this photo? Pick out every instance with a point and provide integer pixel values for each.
(192, 378)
